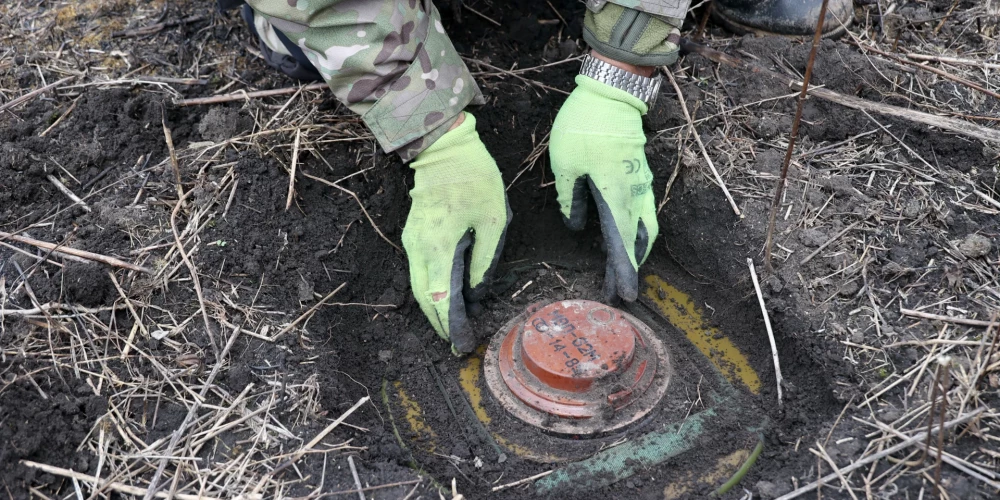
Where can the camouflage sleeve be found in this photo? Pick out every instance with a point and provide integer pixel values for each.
(663, 8)
(390, 61)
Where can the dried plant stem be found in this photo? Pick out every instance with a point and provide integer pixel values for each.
(61, 118)
(673, 175)
(767, 324)
(523, 481)
(700, 32)
(237, 96)
(701, 146)
(792, 136)
(30, 95)
(414, 482)
(40, 259)
(492, 21)
(53, 306)
(880, 455)
(983, 363)
(291, 176)
(940, 317)
(311, 444)
(357, 480)
(941, 383)
(195, 406)
(940, 72)
(156, 27)
(66, 191)
(827, 243)
(940, 25)
(515, 75)
(953, 60)
(361, 205)
(820, 452)
(174, 165)
(135, 316)
(973, 471)
(957, 126)
(121, 488)
(193, 271)
(309, 312)
(282, 110)
(168, 79)
(104, 259)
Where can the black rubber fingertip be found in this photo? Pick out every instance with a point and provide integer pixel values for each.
(629, 291)
(477, 293)
(465, 345)
(460, 334)
(641, 242)
(610, 293)
(578, 207)
(610, 288)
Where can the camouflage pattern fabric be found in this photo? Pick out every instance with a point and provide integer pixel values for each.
(662, 8)
(389, 61)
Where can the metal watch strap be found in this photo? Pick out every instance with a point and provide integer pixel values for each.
(644, 88)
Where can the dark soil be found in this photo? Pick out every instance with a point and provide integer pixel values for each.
(284, 261)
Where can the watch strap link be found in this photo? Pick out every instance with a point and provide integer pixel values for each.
(644, 88)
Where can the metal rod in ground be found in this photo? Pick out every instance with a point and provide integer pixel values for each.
(767, 323)
(779, 190)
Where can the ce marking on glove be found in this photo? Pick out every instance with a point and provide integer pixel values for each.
(632, 166)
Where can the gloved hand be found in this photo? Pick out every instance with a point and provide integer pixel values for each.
(458, 202)
(597, 143)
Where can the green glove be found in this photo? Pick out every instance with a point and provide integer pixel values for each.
(459, 203)
(597, 143)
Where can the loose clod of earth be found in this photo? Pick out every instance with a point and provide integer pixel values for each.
(164, 319)
(975, 245)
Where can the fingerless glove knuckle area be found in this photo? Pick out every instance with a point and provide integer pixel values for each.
(632, 36)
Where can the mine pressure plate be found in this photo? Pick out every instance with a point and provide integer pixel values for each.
(577, 367)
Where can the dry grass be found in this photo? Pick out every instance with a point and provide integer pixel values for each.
(246, 445)
(896, 195)
(232, 444)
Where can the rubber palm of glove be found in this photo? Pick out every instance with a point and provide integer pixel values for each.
(597, 143)
(459, 202)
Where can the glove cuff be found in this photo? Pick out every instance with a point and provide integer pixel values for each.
(457, 156)
(463, 134)
(632, 36)
(591, 88)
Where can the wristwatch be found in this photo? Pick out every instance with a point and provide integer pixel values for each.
(645, 88)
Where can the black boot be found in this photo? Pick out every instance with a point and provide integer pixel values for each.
(296, 65)
(783, 17)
